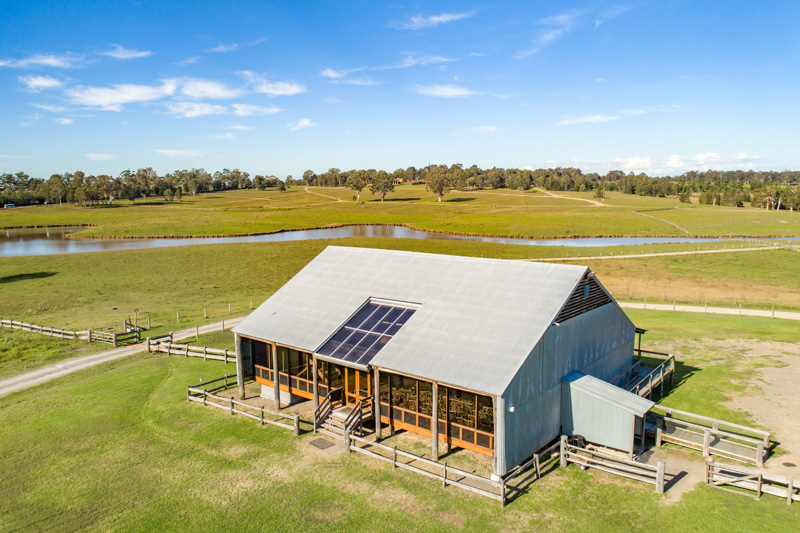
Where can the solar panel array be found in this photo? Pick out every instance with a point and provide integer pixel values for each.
(365, 334)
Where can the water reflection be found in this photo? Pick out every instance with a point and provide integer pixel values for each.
(46, 241)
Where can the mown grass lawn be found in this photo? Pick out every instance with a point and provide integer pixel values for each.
(117, 447)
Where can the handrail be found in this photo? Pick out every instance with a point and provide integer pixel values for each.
(639, 384)
(357, 415)
(324, 409)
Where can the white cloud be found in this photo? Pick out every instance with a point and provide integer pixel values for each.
(744, 157)
(189, 61)
(53, 108)
(101, 157)
(246, 110)
(300, 124)
(336, 74)
(590, 119)
(636, 162)
(444, 91)
(675, 161)
(227, 136)
(611, 13)
(413, 61)
(180, 153)
(364, 81)
(223, 48)
(114, 97)
(419, 22)
(7, 156)
(650, 109)
(194, 109)
(64, 121)
(260, 84)
(333, 100)
(238, 127)
(68, 60)
(599, 80)
(484, 129)
(528, 167)
(31, 120)
(37, 83)
(118, 52)
(201, 89)
(558, 26)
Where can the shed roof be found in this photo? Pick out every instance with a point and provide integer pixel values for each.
(608, 393)
(476, 321)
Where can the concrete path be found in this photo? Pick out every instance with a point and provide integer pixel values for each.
(657, 254)
(791, 315)
(68, 366)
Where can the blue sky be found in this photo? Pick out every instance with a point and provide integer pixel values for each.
(281, 87)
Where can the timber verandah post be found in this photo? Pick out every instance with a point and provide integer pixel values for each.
(275, 378)
(377, 408)
(435, 424)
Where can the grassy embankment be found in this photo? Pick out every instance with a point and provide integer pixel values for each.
(516, 213)
(133, 455)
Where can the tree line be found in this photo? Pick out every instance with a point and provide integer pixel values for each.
(770, 190)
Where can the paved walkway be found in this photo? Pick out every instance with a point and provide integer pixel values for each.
(791, 315)
(68, 366)
(657, 254)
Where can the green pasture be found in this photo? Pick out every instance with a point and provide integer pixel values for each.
(133, 455)
(497, 212)
(21, 351)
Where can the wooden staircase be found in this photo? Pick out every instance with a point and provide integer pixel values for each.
(333, 418)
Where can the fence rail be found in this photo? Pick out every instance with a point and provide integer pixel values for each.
(200, 394)
(44, 330)
(186, 350)
(448, 475)
(742, 481)
(711, 436)
(613, 464)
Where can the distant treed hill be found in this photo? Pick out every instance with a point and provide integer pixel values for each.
(770, 190)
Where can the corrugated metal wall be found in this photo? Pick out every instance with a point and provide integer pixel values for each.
(599, 343)
(600, 422)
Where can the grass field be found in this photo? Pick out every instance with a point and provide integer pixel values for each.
(133, 455)
(99, 290)
(499, 212)
(21, 351)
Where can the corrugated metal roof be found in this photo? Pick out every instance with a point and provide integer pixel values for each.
(477, 320)
(609, 393)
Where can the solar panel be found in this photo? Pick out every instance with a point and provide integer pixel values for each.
(366, 333)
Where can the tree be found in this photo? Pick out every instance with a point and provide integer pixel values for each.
(381, 183)
(436, 182)
(356, 182)
(600, 192)
(309, 177)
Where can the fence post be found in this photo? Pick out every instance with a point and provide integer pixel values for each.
(205, 353)
(89, 332)
(760, 454)
(659, 426)
(188, 396)
(251, 304)
(562, 454)
(347, 440)
(296, 425)
(502, 492)
(229, 308)
(444, 476)
(177, 316)
(758, 487)
(170, 337)
(226, 356)
(789, 490)
(262, 415)
(204, 397)
(394, 457)
(660, 466)
(673, 304)
(223, 324)
(197, 331)
(706, 439)
(709, 473)
(231, 406)
(187, 349)
(226, 381)
(205, 312)
(148, 343)
(115, 338)
(148, 322)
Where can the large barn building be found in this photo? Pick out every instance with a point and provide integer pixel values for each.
(500, 353)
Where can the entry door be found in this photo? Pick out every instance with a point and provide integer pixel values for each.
(356, 385)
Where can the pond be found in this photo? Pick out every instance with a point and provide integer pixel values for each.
(47, 241)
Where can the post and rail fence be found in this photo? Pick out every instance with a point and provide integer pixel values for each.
(710, 435)
(43, 330)
(744, 481)
(186, 350)
(200, 394)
